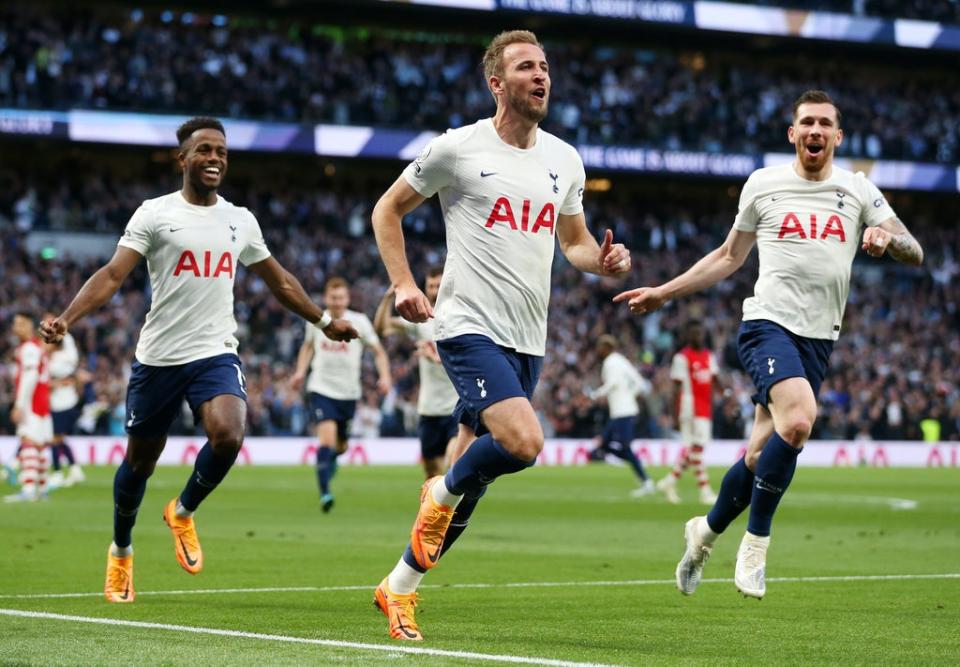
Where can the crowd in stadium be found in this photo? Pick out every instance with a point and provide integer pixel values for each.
(944, 11)
(660, 97)
(896, 365)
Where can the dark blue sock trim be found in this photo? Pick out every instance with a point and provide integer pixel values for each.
(775, 469)
(483, 462)
(128, 491)
(411, 561)
(733, 497)
(325, 468)
(208, 471)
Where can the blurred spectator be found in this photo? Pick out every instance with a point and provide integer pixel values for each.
(665, 98)
(895, 368)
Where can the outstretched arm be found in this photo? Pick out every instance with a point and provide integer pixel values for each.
(304, 357)
(288, 291)
(893, 237)
(382, 362)
(383, 322)
(98, 289)
(710, 270)
(400, 199)
(585, 253)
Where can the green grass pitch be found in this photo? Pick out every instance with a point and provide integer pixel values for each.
(574, 527)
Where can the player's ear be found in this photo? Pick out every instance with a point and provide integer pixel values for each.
(791, 135)
(495, 85)
(839, 137)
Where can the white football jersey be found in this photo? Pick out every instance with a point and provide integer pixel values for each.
(808, 233)
(335, 368)
(500, 205)
(621, 384)
(437, 396)
(63, 363)
(192, 256)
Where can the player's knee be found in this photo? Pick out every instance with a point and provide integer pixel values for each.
(226, 441)
(750, 460)
(797, 429)
(525, 443)
(141, 467)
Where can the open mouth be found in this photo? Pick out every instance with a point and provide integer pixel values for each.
(814, 149)
(212, 171)
(540, 93)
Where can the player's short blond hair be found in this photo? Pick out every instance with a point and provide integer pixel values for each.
(334, 282)
(608, 340)
(493, 57)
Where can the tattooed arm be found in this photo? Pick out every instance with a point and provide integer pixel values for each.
(894, 238)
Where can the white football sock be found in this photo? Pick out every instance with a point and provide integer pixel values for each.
(120, 552)
(707, 536)
(182, 511)
(404, 579)
(442, 495)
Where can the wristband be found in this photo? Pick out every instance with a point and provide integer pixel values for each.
(324, 321)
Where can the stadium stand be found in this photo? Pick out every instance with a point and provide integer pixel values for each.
(691, 98)
(877, 388)
(896, 364)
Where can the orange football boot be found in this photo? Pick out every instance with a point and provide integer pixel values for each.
(186, 544)
(430, 527)
(119, 584)
(399, 610)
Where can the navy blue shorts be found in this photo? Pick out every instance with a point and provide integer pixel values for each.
(619, 430)
(155, 393)
(65, 420)
(324, 408)
(484, 373)
(771, 353)
(435, 434)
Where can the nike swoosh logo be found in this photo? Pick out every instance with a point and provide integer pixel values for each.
(126, 592)
(434, 556)
(186, 555)
(402, 629)
(174, 229)
(775, 198)
(484, 174)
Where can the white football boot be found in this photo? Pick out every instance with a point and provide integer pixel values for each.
(707, 496)
(750, 573)
(75, 475)
(668, 487)
(644, 489)
(690, 567)
(55, 480)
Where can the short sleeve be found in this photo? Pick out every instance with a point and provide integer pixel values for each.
(140, 233)
(409, 328)
(434, 168)
(573, 202)
(256, 249)
(605, 371)
(310, 333)
(30, 357)
(874, 207)
(678, 368)
(368, 335)
(746, 220)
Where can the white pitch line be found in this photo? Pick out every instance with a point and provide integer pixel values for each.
(333, 643)
(513, 584)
